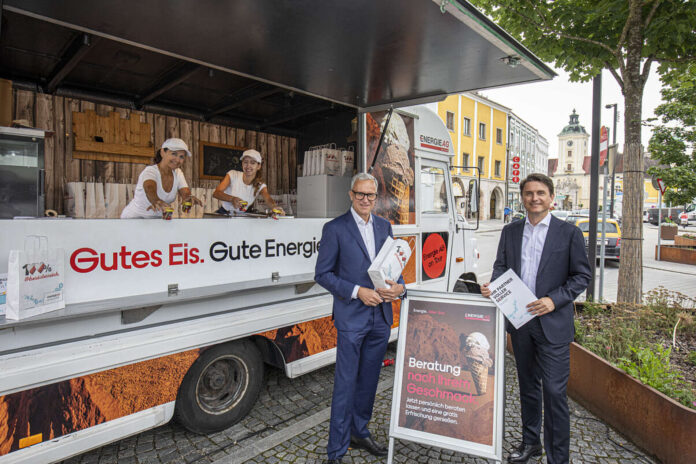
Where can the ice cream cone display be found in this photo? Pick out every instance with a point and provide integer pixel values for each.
(394, 168)
(478, 360)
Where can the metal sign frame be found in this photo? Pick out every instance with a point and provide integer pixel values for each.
(470, 307)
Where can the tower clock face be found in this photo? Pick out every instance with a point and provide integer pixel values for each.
(570, 143)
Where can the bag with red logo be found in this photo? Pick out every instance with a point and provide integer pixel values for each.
(35, 279)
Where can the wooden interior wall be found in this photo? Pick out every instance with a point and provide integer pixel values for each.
(54, 114)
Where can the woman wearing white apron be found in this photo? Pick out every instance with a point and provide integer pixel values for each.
(238, 190)
(160, 183)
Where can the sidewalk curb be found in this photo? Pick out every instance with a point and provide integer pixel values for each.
(669, 270)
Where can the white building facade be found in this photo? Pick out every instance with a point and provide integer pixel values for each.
(528, 149)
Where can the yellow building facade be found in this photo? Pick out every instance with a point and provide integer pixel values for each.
(478, 128)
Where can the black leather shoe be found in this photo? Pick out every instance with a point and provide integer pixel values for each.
(369, 445)
(333, 461)
(523, 452)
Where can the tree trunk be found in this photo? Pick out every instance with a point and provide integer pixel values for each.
(630, 286)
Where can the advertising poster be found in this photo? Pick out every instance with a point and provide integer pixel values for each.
(395, 166)
(448, 388)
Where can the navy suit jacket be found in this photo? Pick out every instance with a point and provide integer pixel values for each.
(563, 273)
(343, 262)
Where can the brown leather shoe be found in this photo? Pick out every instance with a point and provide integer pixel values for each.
(369, 445)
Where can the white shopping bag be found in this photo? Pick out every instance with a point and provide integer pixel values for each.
(74, 200)
(35, 279)
(90, 200)
(347, 161)
(99, 201)
(333, 162)
(3, 293)
(112, 200)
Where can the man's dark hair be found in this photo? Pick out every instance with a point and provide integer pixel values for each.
(537, 177)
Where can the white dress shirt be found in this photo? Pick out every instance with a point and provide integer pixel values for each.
(533, 239)
(367, 232)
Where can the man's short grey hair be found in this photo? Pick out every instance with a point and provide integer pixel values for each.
(363, 176)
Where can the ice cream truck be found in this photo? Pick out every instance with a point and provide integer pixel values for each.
(179, 318)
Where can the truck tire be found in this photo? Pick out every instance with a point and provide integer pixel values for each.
(220, 388)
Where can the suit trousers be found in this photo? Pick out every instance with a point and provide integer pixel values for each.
(359, 356)
(543, 369)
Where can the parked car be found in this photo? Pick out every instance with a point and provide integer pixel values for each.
(612, 237)
(672, 213)
(573, 218)
(646, 215)
(560, 214)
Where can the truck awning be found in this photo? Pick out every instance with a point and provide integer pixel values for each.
(362, 54)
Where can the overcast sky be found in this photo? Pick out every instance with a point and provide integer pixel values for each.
(547, 105)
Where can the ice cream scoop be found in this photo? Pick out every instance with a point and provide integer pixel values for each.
(396, 131)
(477, 339)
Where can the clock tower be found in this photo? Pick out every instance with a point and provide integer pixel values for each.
(572, 147)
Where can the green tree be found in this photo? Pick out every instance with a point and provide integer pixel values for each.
(626, 37)
(672, 143)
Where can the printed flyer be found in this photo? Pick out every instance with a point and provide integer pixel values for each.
(447, 375)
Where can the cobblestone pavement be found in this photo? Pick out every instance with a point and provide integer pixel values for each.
(289, 424)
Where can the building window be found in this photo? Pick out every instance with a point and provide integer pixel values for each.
(467, 127)
(465, 160)
(497, 169)
(512, 137)
(450, 121)
(499, 136)
(570, 153)
(482, 130)
(569, 168)
(481, 159)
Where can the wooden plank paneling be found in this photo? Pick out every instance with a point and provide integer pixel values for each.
(58, 173)
(45, 121)
(55, 113)
(292, 161)
(261, 141)
(285, 165)
(73, 172)
(24, 106)
(86, 133)
(186, 134)
(271, 148)
(105, 169)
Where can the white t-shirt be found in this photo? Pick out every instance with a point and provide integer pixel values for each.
(138, 206)
(239, 189)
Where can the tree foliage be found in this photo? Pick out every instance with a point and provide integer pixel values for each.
(674, 139)
(585, 36)
(626, 37)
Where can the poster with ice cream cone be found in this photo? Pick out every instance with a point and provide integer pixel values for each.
(448, 386)
(395, 165)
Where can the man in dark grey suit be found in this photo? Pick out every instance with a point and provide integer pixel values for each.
(549, 256)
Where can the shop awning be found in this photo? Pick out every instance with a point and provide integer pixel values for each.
(359, 53)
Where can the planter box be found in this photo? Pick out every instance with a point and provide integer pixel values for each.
(684, 241)
(677, 254)
(668, 232)
(653, 421)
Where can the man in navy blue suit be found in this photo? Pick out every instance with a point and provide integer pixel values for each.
(362, 316)
(549, 256)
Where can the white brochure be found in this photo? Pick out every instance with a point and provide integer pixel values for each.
(512, 296)
(389, 262)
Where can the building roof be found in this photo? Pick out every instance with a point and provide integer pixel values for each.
(573, 126)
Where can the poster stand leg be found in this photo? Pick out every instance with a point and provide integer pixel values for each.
(390, 456)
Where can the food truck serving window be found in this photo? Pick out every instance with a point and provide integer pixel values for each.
(433, 190)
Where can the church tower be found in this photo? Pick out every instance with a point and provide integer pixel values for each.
(572, 147)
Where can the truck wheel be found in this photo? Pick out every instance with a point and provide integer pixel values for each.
(220, 388)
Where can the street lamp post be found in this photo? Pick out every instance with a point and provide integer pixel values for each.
(613, 171)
